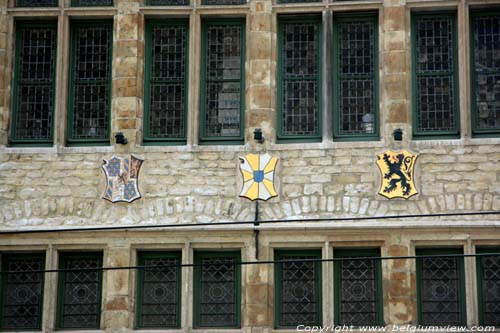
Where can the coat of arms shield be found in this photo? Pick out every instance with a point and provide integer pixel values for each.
(122, 174)
(258, 176)
(397, 170)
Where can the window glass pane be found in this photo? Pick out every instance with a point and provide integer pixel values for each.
(168, 2)
(159, 291)
(224, 2)
(34, 83)
(91, 81)
(36, 3)
(22, 293)
(92, 3)
(489, 293)
(486, 43)
(80, 291)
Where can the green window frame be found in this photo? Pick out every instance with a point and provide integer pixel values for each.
(306, 308)
(37, 3)
(166, 86)
(488, 278)
(79, 290)
(435, 96)
(355, 65)
(89, 98)
(19, 290)
(91, 3)
(485, 72)
(224, 80)
(433, 287)
(294, 112)
(364, 272)
(159, 290)
(34, 84)
(223, 265)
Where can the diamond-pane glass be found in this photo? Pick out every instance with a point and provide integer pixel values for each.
(300, 301)
(35, 82)
(22, 299)
(91, 81)
(167, 81)
(168, 2)
(486, 30)
(218, 285)
(159, 292)
(80, 291)
(300, 75)
(356, 57)
(85, 3)
(358, 292)
(435, 58)
(224, 2)
(36, 3)
(440, 290)
(224, 70)
(490, 292)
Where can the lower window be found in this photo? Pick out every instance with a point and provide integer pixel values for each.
(22, 293)
(358, 288)
(79, 297)
(217, 288)
(298, 289)
(440, 288)
(159, 290)
(488, 283)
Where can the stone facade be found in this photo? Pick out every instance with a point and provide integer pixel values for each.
(61, 187)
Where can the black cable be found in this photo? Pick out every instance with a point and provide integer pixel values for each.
(225, 262)
(180, 225)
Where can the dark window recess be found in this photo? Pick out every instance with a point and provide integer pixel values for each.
(22, 293)
(356, 72)
(91, 82)
(299, 290)
(224, 2)
(489, 288)
(486, 73)
(217, 291)
(441, 285)
(34, 83)
(297, 1)
(300, 78)
(167, 2)
(224, 74)
(167, 82)
(36, 3)
(435, 72)
(79, 303)
(159, 291)
(90, 3)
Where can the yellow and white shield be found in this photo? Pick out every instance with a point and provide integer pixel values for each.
(398, 175)
(258, 176)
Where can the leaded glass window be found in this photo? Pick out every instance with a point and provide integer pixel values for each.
(167, 2)
(34, 83)
(358, 288)
(90, 3)
(355, 76)
(223, 76)
(298, 289)
(36, 3)
(166, 76)
(435, 98)
(224, 2)
(159, 290)
(90, 82)
(440, 288)
(79, 297)
(488, 281)
(217, 289)
(299, 80)
(22, 292)
(485, 54)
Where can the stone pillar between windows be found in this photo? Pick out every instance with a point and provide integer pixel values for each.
(128, 59)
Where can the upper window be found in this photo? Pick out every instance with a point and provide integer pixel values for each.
(167, 2)
(299, 79)
(90, 82)
(89, 3)
(435, 86)
(222, 81)
(22, 293)
(159, 290)
(224, 2)
(298, 289)
(440, 288)
(355, 71)
(166, 82)
(488, 280)
(358, 288)
(36, 3)
(485, 71)
(34, 83)
(217, 288)
(79, 292)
